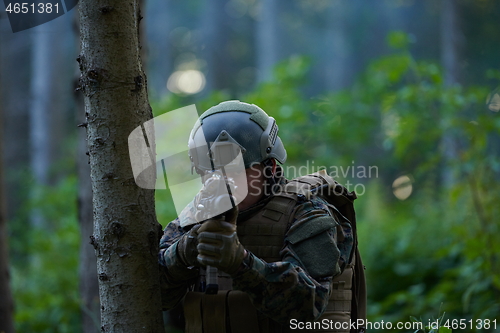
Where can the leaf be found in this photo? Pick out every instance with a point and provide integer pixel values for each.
(398, 40)
(493, 74)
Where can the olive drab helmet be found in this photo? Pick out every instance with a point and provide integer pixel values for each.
(244, 125)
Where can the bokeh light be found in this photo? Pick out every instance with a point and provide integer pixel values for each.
(186, 82)
(493, 102)
(402, 187)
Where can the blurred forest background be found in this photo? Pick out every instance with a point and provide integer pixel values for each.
(407, 87)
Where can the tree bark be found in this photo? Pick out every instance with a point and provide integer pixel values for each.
(126, 232)
(7, 303)
(88, 286)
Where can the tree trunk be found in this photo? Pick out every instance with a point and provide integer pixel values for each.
(15, 54)
(40, 112)
(338, 69)
(267, 41)
(159, 22)
(451, 42)
(451, 54)
(216, 37)
(89, 286)
(7, 303)
(126, 232)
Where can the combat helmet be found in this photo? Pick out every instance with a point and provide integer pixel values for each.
(244, 125)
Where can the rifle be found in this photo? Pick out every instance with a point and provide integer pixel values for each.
(214, 201)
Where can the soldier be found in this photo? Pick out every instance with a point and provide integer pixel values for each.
(285, 257)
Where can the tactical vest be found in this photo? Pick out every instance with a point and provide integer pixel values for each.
(263, 234)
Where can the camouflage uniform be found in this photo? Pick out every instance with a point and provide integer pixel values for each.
(296, 287)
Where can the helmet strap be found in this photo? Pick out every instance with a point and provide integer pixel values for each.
(270, 174)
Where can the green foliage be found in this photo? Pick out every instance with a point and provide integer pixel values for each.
(283, 100)
(398, 40)
(433, 326)
(45, 284)
(438, 249)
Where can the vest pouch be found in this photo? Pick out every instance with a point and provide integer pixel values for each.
(338, 310)
(228, 311)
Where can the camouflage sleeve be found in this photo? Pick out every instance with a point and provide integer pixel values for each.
(299, 286)
(175, 278)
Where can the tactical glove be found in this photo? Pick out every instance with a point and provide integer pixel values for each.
(219, 246)
(186, 247)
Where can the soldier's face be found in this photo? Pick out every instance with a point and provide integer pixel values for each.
(255, 182)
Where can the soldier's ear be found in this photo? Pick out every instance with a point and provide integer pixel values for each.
(273, 161)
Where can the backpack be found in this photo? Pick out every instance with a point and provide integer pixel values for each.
(341, 201)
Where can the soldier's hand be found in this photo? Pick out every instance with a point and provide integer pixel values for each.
(218, 244)
(187, 247)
